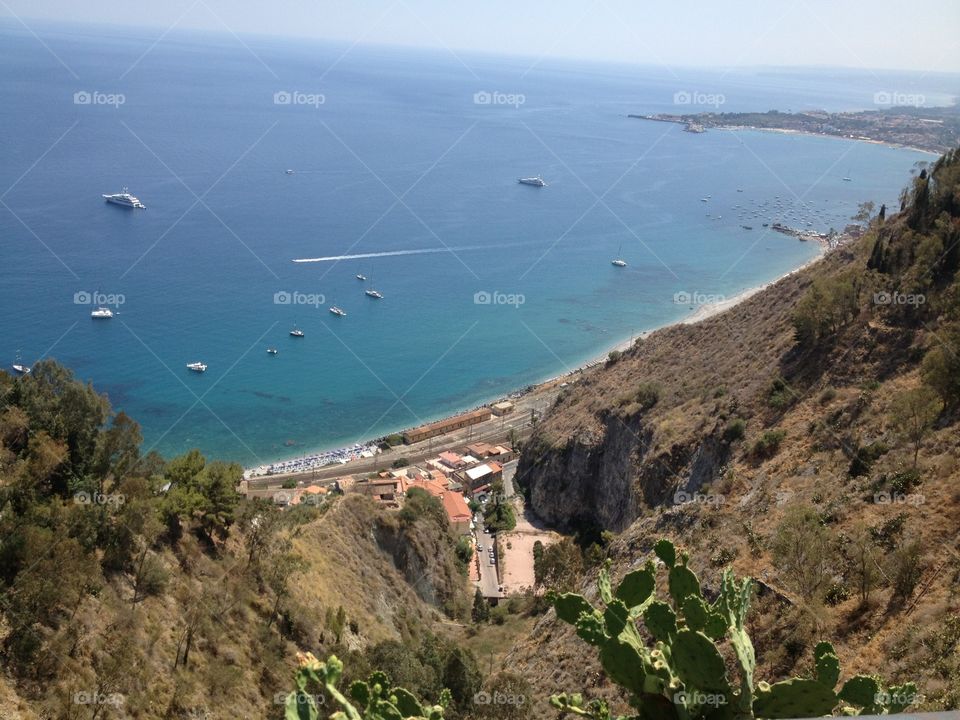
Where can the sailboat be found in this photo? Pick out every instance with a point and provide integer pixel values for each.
(375, 294)
(619, 261)
(19, 367)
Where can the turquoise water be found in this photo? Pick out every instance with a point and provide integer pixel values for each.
(397, 157)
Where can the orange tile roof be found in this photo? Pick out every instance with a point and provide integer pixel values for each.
(456, 506)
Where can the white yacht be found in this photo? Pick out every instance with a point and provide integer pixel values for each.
(535, 181)
(289, 172)
(102, 312)
(19, 367)
(338, 311)
(124, 198)
(197, 367)
(296, 332)
(272, 351)
(373, 293)
(361, 277)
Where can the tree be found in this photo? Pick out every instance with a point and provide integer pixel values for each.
(864, 211)
(863, 557)
(801, 551)
(913, 413)
(559, 567)
(941, 365)
(481, 608)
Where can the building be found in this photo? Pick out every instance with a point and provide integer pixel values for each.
(451, 460)
(446, 425)
(458, 512)
(502, 408)
(484, 474)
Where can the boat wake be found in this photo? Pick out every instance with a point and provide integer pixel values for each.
(393, 253)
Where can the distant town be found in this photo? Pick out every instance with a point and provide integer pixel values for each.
(935, 129)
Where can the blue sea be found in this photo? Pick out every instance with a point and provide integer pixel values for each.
(405, 166)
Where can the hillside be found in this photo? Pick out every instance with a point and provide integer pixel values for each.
(779, 438)
(132, 586)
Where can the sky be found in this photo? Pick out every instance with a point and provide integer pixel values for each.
(919, 35)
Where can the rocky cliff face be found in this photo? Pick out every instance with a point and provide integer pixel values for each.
(604, 479)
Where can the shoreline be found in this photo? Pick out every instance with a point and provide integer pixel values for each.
(700, 313)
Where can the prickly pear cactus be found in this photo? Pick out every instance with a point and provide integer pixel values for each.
(684, 675)
(375, 699)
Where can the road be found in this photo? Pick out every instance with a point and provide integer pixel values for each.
(489, 583)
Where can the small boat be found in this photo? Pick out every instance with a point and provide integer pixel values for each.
(125, 199)
(747, 227)
(361, 277)
(619, 261)
(19, 367)
(846, 179)
(373, 293)
(534, 181)
(197, 367)
(289, 172)
(102, 313)
(296, 332)
(704, 199)
(338, 311)
(272, 351)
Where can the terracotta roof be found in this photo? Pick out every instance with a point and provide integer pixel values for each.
(456, 507)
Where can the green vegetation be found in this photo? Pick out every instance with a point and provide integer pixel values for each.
(500, 517)
(684, 674)
(768, 444)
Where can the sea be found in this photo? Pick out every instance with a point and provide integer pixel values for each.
(400, 165)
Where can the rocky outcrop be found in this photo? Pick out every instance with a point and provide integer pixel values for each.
(603, 480)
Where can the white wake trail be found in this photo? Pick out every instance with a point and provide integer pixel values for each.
(391, 253)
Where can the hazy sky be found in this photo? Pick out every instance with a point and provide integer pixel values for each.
(909, 34)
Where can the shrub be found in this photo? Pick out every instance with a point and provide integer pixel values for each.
(780, 396)
(865, 457)
(836, 594)
(735, 430)
(400, 463)
(723, 556)
(768, 444)
(613, 356)
(801, 551)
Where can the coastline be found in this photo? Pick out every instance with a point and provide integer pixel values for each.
(700, 313)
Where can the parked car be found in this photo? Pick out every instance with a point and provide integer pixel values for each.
(492, 561)
(479, 548)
